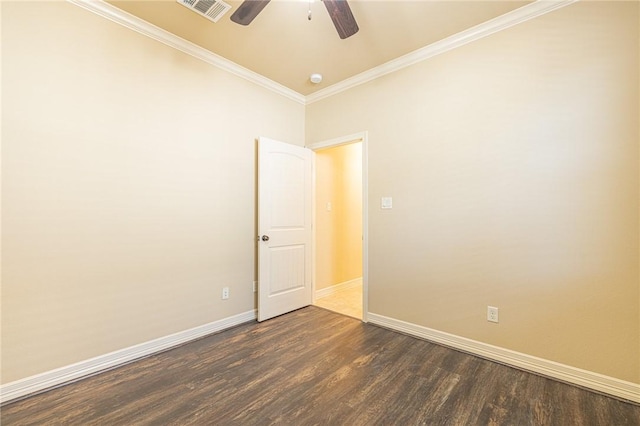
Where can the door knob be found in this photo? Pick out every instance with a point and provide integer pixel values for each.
(265, 238)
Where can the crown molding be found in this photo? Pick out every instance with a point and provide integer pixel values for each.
(515, 17)
(112, 13)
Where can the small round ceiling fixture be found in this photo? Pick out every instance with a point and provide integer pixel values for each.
(315, 78)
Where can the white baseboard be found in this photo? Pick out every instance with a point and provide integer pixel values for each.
(328, 291)
(565, 373)
(598, 382)
(59, 376)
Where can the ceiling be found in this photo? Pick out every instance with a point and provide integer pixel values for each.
(284, 46)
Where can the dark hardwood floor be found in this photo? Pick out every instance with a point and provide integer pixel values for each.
(315, 367)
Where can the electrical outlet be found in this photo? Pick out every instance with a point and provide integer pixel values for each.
(492, 314)
(225, 292)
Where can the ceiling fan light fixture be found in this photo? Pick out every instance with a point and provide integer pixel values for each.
(339, 12)
(315, 78)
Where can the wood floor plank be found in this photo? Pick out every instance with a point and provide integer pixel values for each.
(315, 367)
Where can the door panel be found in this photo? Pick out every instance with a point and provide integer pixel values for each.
(284, 224)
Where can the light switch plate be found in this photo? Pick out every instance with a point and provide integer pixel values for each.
(386, 203)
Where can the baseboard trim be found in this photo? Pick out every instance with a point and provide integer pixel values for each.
(565, 373)
(54, 378)
(328, 291)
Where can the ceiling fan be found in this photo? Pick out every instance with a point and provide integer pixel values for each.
(339, 11)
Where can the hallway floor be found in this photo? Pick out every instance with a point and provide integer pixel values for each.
(346, 301)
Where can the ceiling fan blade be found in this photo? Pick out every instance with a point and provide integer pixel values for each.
(247, 11)
(342, 17)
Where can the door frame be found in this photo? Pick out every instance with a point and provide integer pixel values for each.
(331, 143)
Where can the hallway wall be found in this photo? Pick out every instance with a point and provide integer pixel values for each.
(338, 227)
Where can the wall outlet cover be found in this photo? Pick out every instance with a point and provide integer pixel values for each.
(492, 314)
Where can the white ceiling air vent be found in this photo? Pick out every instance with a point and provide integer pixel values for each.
(210, 9)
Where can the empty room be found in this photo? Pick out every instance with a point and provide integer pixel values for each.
(161, 253)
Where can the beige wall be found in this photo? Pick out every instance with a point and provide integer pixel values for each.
(338, 231)
(513, 167)
(128, 185)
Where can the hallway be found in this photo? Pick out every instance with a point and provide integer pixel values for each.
(347, 300)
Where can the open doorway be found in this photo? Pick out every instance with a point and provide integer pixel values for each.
(339, 279)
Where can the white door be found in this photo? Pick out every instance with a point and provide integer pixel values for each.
(284, 227)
